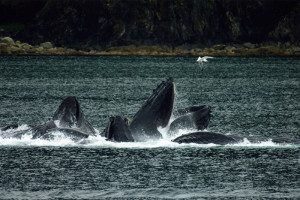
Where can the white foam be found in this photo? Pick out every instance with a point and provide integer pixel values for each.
(247, 143)
(60, 139)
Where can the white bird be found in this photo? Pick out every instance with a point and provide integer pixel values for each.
(201, 60)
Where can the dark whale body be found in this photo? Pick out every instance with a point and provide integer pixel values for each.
(155, 112)
(118, 130)
(220, 139)
(205, 138)
(195, 118)
(70, 115)
(68, 118)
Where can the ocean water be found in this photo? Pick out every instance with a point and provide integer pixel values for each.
(249, 96)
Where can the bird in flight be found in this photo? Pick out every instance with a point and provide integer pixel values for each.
(201, 60)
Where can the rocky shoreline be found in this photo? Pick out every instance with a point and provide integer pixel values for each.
(8, 46)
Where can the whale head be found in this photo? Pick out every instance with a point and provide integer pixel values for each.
(118, 130)
(195, 117)
(155, 112)
(70, 115)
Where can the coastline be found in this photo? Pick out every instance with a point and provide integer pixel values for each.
(10, 47)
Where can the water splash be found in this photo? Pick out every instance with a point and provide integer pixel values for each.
(60, 139)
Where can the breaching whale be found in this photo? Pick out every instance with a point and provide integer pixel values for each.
(118, 130)
(205, 138)
(68, 119)
(155, 112)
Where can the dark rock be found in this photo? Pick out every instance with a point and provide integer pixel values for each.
(288, 28)
(92, 23)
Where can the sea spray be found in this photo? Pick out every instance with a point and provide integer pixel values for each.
(61, 140)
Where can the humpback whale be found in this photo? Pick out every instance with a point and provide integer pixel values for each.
(195, 118)
(118, 130)
(205, 138)
(221, 139)
(68, 118)
(155, 112)
(70, 115)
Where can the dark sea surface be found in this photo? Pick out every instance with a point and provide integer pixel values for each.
(249, 96)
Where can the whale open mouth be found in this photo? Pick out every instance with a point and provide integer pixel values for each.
(165, 106)
(70, 115)
(155, 112)
(159, 106)
(68, 112)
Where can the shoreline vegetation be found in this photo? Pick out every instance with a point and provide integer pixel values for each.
(8, 46)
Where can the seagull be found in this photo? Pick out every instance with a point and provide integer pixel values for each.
(201, 60)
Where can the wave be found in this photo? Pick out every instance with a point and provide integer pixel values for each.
(61, 140)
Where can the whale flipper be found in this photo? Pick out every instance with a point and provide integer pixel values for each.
(155, 112)
(195, 118)
(118, 130)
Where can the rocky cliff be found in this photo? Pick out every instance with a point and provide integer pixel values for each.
(94, 24)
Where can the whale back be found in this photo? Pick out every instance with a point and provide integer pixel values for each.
(205, 138)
